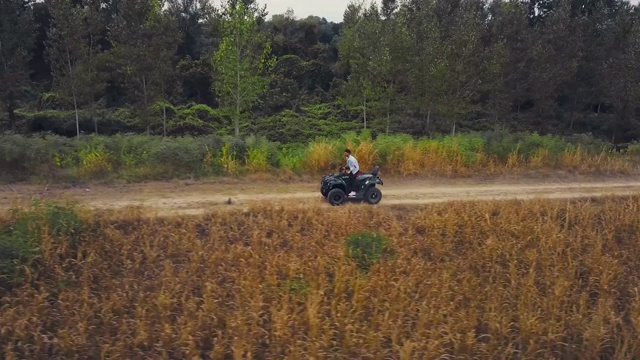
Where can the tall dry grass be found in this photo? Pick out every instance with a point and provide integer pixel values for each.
(536, 279)
(139, 158)
(469, 155)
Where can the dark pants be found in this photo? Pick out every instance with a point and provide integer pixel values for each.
(352, 181)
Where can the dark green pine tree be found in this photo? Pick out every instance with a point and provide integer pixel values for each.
(17, 41)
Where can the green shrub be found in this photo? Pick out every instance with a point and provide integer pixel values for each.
(21, 239)
(298, 286)
(367, 248)
(291, 157)
(179, 156)
(390, 145)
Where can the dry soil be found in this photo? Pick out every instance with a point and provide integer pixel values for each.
(180, 197)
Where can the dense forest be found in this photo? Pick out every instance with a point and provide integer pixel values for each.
(420, 67)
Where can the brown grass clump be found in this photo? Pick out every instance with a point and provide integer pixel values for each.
(536, 279)
(320, 156)
(367, 156)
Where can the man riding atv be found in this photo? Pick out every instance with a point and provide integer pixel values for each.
(351, 184)
(353, 169)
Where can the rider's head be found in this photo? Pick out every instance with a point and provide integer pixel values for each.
(347, 153)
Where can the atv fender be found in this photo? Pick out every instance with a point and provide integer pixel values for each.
(373, 182)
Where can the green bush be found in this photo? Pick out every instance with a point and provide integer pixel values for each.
(367, 248)
(21, 238)
(291, 157)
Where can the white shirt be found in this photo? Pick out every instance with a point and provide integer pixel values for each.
(353, 164)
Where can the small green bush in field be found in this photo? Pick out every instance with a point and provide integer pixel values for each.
(367, 248)
(21, 238)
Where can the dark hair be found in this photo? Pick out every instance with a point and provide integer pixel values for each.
(347, 151)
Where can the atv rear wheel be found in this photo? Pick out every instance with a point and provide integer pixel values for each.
(373, 196)
(336, 197)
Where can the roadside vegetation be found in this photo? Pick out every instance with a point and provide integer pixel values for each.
(135, 158)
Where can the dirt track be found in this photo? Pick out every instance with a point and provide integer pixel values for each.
(194, 198)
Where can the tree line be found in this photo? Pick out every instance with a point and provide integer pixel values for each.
(421, 67)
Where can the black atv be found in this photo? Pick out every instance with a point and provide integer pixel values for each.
(334, 187)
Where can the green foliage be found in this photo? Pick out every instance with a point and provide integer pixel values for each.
(17, 40)
(298, 286)
(311, 122)
(144, 39)
(367, 248)
(241, 72)
(389, 145)
(139, 157)
(21, 239)
(501, 144)
(416, 67)
(291, 157)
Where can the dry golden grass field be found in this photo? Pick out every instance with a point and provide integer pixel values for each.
(513, 279)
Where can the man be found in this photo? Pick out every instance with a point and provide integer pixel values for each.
(354, 170)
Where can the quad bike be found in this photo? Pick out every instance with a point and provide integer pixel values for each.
(334, 187)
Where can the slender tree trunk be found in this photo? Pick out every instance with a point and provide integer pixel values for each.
(365, 112)
(75, 106)
(12, 117)
(73, 92)
(237, 120)
(164, 121)
(93, 116)
(388, 114)
(164, 108)
(146, 104)
(453, 129)
(571, 121)
(10, 107)
(428, 121)
(575, 105)
(92, 97)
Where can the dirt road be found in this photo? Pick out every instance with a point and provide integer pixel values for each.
(194, 198)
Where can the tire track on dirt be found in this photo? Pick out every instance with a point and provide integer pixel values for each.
(196, 198)
(407, 194)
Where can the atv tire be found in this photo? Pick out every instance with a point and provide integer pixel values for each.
(336, 197)
(373, 196)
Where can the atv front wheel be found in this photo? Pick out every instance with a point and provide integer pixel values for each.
(336, 197)
(373, 196)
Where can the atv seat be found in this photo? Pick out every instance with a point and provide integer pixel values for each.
(364, 176)
(373, 173)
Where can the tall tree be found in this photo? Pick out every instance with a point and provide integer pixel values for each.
(242, 60)
(191, 17)
(145, 42)
(423, 27)
(94, 31)
(623, 76)
(393, 59)
(360, 49)
(68, 52)
(509, 27)
(17, 37)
